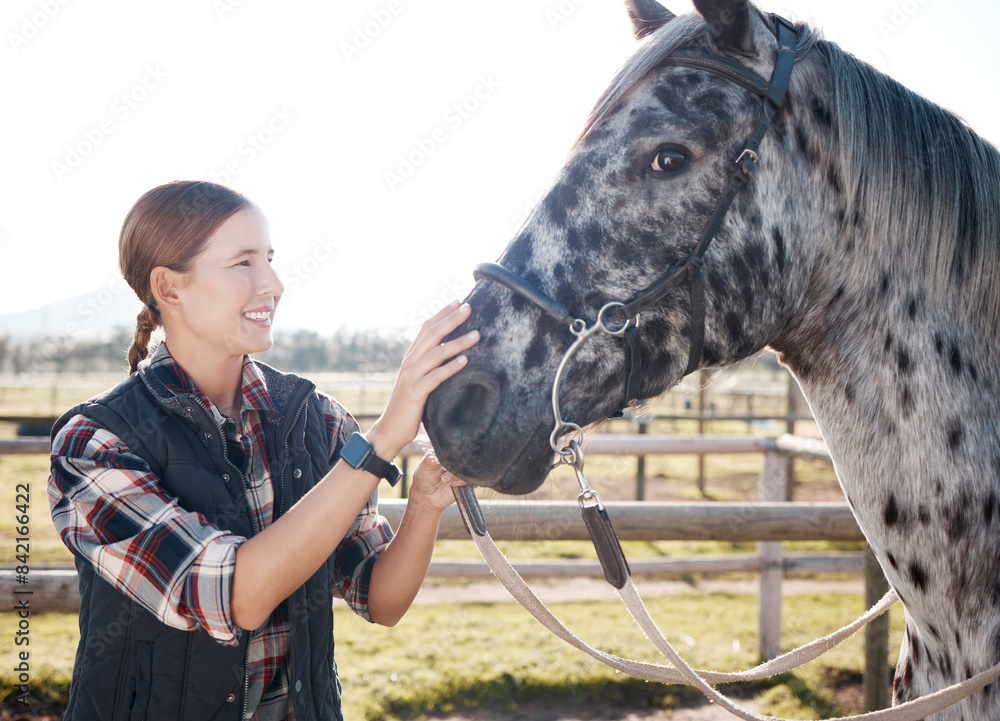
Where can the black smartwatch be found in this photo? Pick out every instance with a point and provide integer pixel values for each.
(358, 453)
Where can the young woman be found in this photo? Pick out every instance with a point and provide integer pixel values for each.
(214, 505)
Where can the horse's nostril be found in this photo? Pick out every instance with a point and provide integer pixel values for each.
(468, 406)
(462, 410)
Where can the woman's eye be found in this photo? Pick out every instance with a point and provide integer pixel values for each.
(668, 160)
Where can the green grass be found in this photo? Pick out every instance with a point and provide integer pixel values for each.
(447, 657)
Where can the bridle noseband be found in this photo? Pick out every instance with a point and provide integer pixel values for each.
(773, 93)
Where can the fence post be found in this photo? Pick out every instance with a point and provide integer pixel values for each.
(702, 393)
(773, 481)
(797, 406)
(640, 464)
(876, 677)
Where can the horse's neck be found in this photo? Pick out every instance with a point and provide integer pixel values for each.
(906, 393)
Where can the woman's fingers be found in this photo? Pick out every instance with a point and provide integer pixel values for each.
(439, 326)
(425, 363)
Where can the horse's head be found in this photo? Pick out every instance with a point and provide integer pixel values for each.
(641, 186)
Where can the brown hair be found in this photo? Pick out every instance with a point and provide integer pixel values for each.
(168, 226)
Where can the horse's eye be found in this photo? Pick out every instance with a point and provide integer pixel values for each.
(668, 160)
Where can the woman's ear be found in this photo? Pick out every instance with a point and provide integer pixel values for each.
(164, 284)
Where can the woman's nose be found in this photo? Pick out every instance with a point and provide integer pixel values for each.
(271, 284)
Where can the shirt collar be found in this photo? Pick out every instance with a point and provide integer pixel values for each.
(174, 379)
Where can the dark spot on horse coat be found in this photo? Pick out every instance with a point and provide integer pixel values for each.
(957, 525)
(884, 286)
(891, 513)
(779, 248)
(945, 664)
(837, 296)
(990, 507)
(955, 358)
(536, 353)
(821, 112)
(805, 147)
(734, 326)
(906, 400)
(849, 392)
(711, 356)
(918, 575)
(892, 560)
(834, 179)
(903, 360)
(955, 432)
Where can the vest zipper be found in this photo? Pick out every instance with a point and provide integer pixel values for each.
(254, 531)
(253, 523)
(287, 452)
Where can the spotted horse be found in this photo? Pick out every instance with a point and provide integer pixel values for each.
(861, 248)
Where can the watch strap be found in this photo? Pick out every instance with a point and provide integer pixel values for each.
(369, 461)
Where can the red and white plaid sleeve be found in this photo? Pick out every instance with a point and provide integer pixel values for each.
(110, 511)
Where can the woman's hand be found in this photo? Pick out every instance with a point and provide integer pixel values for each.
(427, 364)
(432, 484)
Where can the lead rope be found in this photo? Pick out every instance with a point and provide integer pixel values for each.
(617, 573)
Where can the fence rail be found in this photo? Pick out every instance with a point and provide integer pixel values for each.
(768, 522)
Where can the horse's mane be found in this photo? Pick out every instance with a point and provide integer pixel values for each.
(920, 181)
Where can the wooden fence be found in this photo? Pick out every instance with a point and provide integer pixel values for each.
(769, 522)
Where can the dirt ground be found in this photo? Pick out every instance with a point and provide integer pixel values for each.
(697, 710)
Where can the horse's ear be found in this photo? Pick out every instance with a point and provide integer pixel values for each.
(728, 21)
(647, 16)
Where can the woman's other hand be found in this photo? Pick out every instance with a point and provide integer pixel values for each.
(432, 484)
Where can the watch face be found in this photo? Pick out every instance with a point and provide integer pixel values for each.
(355, 450)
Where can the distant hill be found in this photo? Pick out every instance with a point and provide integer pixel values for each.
(92, 316)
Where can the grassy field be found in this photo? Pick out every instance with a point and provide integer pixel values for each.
(444, 658)
(449, 657)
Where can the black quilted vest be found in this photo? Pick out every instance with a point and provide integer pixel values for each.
(129, 665)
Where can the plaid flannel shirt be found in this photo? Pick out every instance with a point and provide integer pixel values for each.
(108, 509)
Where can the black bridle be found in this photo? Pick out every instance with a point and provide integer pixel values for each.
(773, 94)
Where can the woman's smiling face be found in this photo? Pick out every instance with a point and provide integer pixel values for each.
(227, 298)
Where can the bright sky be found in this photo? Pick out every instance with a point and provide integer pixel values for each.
(312, 108)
